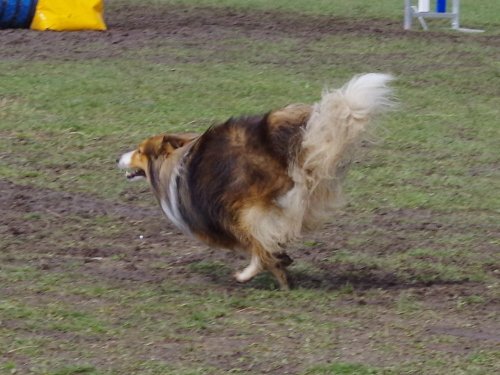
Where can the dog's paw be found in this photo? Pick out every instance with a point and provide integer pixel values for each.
(241, 277)
(283, 259)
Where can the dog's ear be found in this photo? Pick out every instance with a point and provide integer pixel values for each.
(172, 142)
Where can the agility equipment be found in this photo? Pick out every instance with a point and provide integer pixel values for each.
(64, 15)
(422, 10)
(16, 13)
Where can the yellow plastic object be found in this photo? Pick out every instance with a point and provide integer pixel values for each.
(67, 15)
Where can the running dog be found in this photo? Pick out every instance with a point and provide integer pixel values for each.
(255, 183)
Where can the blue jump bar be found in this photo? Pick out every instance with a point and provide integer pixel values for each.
(441, 6)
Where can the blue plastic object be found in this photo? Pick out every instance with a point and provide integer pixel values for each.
(441, 6)
(16, 13)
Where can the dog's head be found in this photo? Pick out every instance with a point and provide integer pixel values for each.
(139, 161)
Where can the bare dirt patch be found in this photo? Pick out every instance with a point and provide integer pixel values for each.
(134, 27)
(21, 198)
(56, 222)
(61, 232)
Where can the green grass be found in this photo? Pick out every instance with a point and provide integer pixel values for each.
(471, 12)
(417, 246)
(342, 369)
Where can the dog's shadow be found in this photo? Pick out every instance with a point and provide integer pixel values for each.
(331, 278)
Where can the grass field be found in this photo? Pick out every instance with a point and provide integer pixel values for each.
(405, 280)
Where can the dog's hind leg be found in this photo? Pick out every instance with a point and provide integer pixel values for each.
(275, 263)
(279, 271)
(262, 260)
(284, 259)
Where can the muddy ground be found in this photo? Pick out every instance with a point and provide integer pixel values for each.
(53, 228)
(31, 216)
(56, 231)
(134, 27)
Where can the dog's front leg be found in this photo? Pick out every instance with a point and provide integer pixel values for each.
(253, 269)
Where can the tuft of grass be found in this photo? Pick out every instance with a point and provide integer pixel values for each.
(341, 368)
(75, 370)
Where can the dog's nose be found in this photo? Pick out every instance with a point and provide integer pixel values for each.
(117, 160)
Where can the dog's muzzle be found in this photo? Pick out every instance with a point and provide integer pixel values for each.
(125, 162)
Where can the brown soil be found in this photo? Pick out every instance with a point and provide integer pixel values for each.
(56, 231)
(36, 218)
(133, 27)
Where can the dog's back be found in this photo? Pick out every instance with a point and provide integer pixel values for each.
(237, 165)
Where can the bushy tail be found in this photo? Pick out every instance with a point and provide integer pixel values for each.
(337, 124)
(339, 121)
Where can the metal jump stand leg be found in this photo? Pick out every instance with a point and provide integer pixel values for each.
(413, 12)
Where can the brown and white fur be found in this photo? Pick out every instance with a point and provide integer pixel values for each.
(255, 183)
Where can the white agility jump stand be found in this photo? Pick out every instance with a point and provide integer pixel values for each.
(422, 11)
